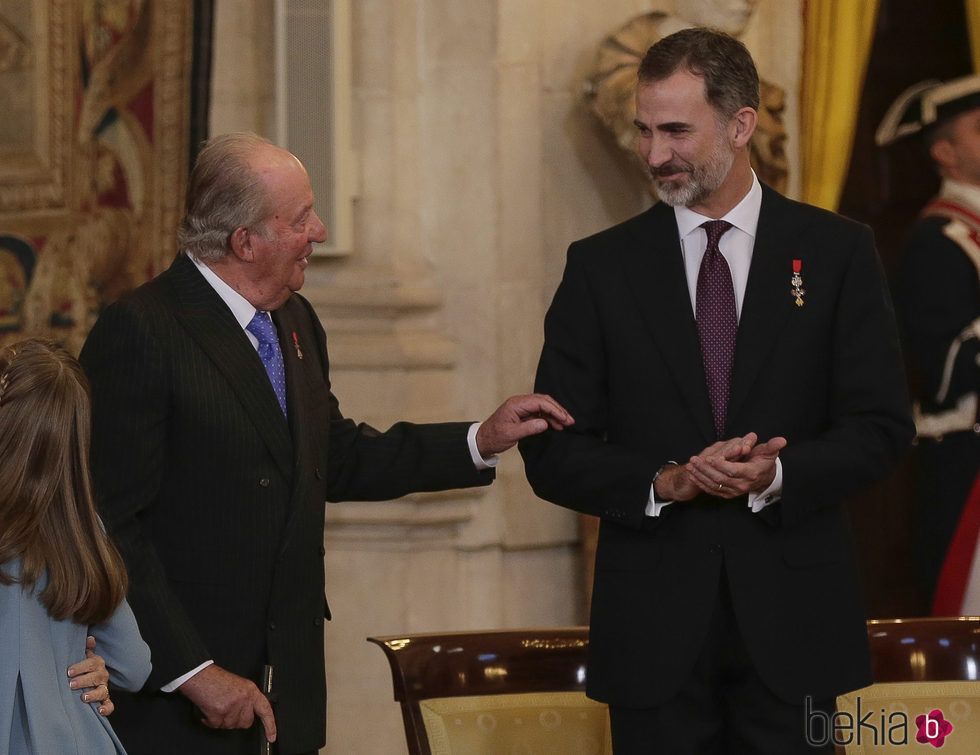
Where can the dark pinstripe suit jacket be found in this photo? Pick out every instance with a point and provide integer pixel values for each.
(217, 502)
(622, 354)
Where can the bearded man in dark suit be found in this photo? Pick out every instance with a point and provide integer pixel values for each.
(731, 383)
(216, 443)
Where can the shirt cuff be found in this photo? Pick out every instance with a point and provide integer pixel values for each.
(478, 461)
(758, 501)
(181, 679)
(654, 507)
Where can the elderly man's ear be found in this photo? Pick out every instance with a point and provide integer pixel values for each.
(241, 244)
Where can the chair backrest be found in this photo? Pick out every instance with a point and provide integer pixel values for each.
(477, 691)
(896, 717)
(929, 649)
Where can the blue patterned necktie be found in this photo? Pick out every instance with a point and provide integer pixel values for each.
(269, 352)
(717, 322)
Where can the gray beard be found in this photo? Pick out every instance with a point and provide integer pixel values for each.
(701, 183)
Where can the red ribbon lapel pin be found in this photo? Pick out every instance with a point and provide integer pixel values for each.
(299, 351)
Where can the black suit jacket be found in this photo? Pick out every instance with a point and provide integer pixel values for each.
(217, 502)
(622, 354)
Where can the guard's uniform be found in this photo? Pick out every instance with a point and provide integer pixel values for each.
(939, 308)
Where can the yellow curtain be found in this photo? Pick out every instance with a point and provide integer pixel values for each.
(837, 36)
(973, 27)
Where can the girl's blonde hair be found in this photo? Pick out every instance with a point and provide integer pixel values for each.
(47, 514)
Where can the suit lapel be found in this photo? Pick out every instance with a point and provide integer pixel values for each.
(654, 270)
(296, 393)
(210, 323)
(307, 424)
(767, 298)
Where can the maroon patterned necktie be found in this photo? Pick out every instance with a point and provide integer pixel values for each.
(717, 322)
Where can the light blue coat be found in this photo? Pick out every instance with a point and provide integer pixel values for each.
(39, 713)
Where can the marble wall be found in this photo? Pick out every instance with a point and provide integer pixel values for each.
(477, 164)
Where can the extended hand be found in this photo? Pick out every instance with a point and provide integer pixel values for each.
(92, 676)
(229, 701)
(518, 417)
(730, 476)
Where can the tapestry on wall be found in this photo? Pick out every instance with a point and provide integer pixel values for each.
(93, 155)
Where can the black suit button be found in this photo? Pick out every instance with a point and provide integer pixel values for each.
(323, 551)
(316, 473)
(264, 482)
(272, 625)
(318, 621)
(714, 548)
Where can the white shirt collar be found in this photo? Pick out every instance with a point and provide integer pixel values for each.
(238, 304)
(744, 215)
(963, 193)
